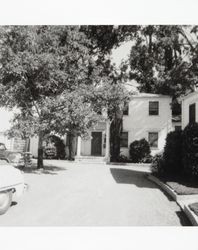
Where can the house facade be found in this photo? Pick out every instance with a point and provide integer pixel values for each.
(147, 116)
(189, 108)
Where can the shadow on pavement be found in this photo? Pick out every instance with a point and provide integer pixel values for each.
(49, 169)
(127, 176)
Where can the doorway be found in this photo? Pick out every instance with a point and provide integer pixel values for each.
(96, 144)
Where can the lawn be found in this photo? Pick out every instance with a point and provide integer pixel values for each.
(194, 207)
(181, 186)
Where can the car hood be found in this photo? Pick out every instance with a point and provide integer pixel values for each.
(7, 152)
(10, 176)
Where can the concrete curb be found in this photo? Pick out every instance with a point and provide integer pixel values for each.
(191, 215)
(182, 200)
(130, 164)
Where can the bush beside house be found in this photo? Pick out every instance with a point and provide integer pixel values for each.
(172, 155)
(139, 151)
(180, 156)
(190, 150)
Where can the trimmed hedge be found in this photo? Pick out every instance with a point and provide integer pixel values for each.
(190, 150)
(180, 157)
(173, 154)
(139, 150)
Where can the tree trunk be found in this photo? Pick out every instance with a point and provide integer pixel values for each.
(40, 151)
(115, 133)
(71, 146)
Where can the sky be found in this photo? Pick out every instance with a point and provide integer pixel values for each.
(121, 53)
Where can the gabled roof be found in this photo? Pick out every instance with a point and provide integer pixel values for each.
(149, 95)
(188, 95)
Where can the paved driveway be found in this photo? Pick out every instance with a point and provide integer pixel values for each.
(70, 194)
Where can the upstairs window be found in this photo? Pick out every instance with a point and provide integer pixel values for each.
(192, 113)
(153, 108)
(124, 140)
(153, 139)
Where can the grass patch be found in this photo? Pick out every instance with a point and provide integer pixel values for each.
(194, 207)
(181, 186)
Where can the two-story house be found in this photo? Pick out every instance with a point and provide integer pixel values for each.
(147, 116)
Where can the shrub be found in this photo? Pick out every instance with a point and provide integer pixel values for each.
(123, 158)
(147, 159)
(173, 153)
(157, 166)
(190, 150)
(139, 150)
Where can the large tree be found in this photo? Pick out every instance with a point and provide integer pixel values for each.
(161, 59)
(39, 65)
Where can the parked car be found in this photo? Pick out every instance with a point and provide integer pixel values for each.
(12, 184)
(18, 159)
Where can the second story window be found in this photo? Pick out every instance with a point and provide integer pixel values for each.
(192, 113)
(153, 108)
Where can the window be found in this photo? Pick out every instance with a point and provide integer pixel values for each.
(124, 140)
(192, 113)
(153, 139)
(126, 109)
(153, 108)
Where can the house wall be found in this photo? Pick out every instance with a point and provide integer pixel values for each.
(138, 123)
(13, 144)
(34, 146)
(190, 99)
(9, 143)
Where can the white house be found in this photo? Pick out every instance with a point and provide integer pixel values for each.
(189, 108)
(148, 116)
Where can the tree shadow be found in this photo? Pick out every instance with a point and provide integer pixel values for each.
(127, 176)
(48, 169)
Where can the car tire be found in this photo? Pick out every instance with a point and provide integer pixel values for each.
(5, 201)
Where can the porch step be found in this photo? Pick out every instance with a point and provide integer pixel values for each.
(91, 159)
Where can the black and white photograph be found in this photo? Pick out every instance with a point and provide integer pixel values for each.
(99, 125)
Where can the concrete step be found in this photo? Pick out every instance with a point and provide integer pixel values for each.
(91, 159)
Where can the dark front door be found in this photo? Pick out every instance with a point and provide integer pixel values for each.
(96, 143)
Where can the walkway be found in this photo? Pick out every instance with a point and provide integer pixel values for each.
(70, 194)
